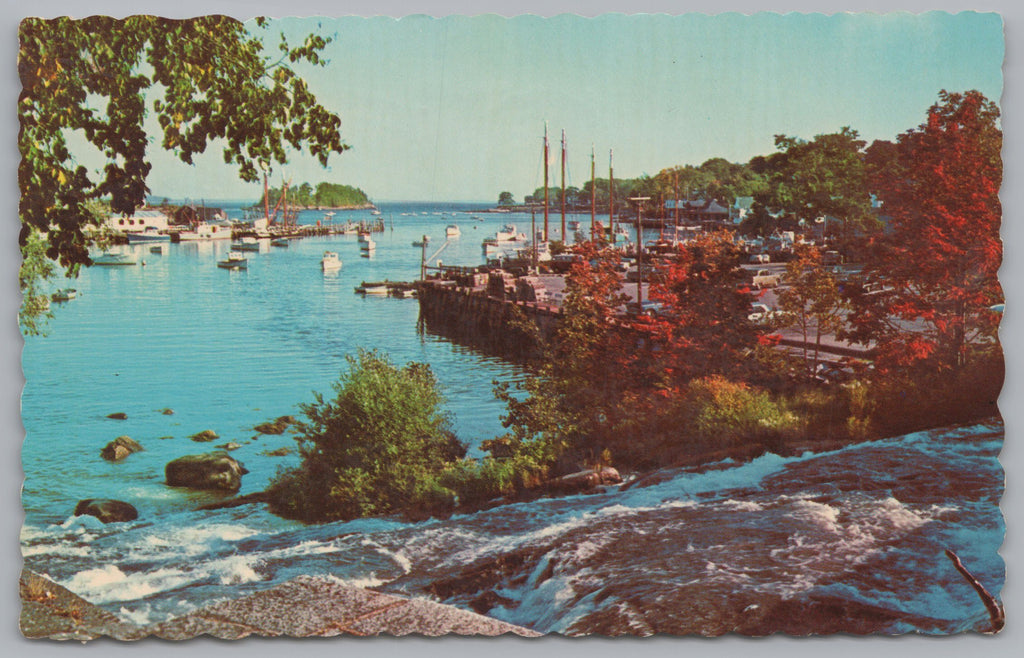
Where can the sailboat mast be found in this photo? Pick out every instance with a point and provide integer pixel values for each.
(563, 187)
(545, 183)
(266, 198)
(593, 193)
(611, 194)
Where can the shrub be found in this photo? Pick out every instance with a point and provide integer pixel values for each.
(719, 413)
(377, 448)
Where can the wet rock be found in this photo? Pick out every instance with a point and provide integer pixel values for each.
(119, 415)
(51, 611)
(231, 445)
(584, 480)
(120, 448)
(276, 426)
(108, 511)
(215, 470)
(280, 452)
(167, 412)
(164, 438)
(204, 436)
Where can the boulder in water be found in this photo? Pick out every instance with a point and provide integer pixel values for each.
(108, 511)
(584, 480)
(120, 448)
(118, 415)
(276, 426)
(215, 470)
(204, 436)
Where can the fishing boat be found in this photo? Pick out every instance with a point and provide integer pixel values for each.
(206, 231)
(330, 262)
(110, 259)
(64, 295)
(378, 289)
(452, 231)
(247, 243)
(574, 225)
(279, 242)
(236, 260)
(149, 234)
(364, 236)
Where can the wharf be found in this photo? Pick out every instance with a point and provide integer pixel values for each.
(486, 310)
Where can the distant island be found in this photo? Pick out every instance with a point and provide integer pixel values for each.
(325, 196)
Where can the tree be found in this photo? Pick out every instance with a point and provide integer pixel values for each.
(940, 261)
(811, 299)
(379, 447)
(88, 81)
(506, 199)
(706, 301)
(821, 178)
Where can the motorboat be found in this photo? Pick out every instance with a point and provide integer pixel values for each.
(508, 234)
(64, 295)
(206, 231)
(150, 234)
(452, 231)
(111, 259)
(247, 243)
(236, 260)
(330, 262)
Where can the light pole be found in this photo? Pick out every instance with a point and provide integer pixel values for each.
(639, 201)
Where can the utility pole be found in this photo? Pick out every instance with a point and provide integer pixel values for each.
(639, 201)
(545, 181)
(593, 194)
(611, 195)
(564, 241)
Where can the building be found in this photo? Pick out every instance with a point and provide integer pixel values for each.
(138, 222)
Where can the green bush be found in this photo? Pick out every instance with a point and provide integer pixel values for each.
(718, 413)
(378, 447)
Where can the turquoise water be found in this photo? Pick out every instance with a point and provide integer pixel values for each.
(226, 350)
(866, 525)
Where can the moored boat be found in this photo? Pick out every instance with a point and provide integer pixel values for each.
(64, 295)
(452, 231)
(150, 234)
(206, 231)
(110, 259)
(279, 242)
(247, 243)
(236, 260)
(330, 262)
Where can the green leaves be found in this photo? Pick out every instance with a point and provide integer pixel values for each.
(378, 447)
(93, 77)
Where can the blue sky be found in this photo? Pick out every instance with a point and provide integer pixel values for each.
(454, 108)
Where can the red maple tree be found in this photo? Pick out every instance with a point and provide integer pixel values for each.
(937, 264)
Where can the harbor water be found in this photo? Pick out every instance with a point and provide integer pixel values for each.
(777, 543)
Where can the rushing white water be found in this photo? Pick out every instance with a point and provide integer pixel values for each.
(850, 540)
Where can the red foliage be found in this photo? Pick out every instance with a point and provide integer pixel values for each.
(943, 252)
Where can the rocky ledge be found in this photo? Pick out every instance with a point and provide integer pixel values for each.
(305, 607)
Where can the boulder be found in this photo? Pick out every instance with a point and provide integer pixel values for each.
(120, 448)
(204, 436)
(280, 452)
(276, 426)
(215, 470)
(584, 480)
(108, 511)
(118, 415)
(231, 445)
(167, 412)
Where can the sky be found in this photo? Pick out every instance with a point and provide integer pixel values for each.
(455, 108)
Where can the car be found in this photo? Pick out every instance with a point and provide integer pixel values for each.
(763, 314)
(647, 308)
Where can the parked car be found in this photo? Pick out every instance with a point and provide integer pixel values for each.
(765, 279)
(649, 308)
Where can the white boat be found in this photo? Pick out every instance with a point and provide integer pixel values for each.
(150, 234)
(368, 248)
(574, 225)
(364, 236)
(205, 231)
(379, 289)
(508, 234)
(64, 295)
(110, 259)
(235, 261)
(452, 231)
(247, 243)
(330, 262)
